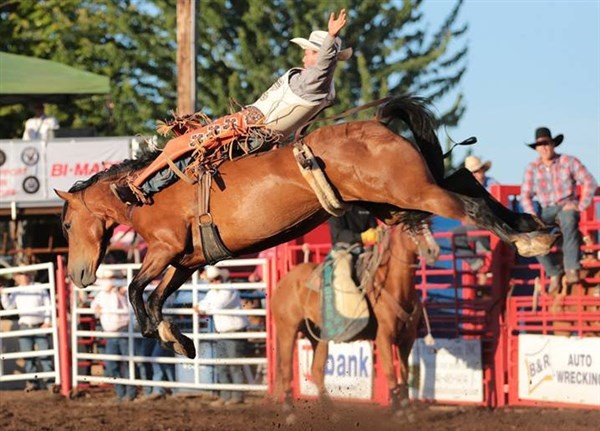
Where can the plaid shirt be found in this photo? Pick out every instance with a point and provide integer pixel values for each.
(556, 184)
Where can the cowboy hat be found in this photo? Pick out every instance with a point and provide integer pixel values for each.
(544, 132)
(315, 40)
(474, 164)
(211, 273)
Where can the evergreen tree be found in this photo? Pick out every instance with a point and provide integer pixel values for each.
(131, 42)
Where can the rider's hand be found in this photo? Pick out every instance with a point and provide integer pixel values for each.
(335, 25)
(570, 206)
(370, 236)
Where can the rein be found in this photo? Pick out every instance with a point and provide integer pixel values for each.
(299, 131)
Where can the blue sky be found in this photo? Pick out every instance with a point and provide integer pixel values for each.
(531, 63)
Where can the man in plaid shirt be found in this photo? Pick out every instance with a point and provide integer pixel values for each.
(553, 179)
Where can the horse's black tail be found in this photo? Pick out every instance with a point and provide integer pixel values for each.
(420, 120)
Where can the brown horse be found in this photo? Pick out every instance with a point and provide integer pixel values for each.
(263, 200)
(396, 311)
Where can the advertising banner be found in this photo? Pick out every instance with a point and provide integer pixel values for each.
(348, 372)
(30, 170)
(22, 171)
(559, 369)
(450, 370)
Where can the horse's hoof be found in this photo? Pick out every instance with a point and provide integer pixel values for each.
(287, 408)
(335, 417)
(172, 337)
(291, 419)
(531, 244)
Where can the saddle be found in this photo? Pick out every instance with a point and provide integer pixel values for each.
(344, 308)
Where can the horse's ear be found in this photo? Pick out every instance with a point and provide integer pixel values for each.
(65, 196)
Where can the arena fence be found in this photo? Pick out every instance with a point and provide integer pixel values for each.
(10, 352)
(190, 374)
(503, 341)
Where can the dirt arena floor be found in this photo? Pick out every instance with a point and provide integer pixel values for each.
(98, 411)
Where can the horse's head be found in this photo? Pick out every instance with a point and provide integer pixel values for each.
(426, 246)
(88, 233)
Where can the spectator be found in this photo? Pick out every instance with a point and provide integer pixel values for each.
(40, 126)
(157, 372)
(112, 307)
(552, 178)
(468, 247)
(257, 275)
(217, 300)
(25, 300)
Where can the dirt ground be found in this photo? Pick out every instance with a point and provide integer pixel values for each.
(99, 411)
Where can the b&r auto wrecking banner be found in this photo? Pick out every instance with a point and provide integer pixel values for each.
(30, 170)
(559, 369)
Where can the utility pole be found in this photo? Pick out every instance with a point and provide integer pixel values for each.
(186, 57)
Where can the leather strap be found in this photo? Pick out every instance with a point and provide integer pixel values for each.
(351, 111)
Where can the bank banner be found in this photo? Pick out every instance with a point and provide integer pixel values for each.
(559, 369)
(30, 170)
(450, 370)
(348, 372)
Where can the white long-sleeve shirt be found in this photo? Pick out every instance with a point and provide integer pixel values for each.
(40, 128)
(24, 300)
(114, 309)
(222, 299)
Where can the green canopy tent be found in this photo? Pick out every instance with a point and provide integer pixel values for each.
(24, 79)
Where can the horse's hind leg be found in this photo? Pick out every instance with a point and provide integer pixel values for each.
(436, 200)
(463, 182)
(168, 332)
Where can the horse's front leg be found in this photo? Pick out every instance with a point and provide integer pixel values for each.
(152, 267)
(168, 332)
(318, 372)
(385, 351)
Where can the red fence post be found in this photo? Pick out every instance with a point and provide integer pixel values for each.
(63, 328)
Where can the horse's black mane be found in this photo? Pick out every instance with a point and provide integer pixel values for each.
(127, 165)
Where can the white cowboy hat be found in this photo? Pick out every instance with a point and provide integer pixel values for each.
(211, 273)
(474, 164)
(315, 40)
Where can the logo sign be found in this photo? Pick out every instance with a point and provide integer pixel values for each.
(559, 369)
(348, 371)
(29, 171)
(30, 156)
(31, 185)
(450, 370)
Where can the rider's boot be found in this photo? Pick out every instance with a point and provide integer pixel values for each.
(203, 140)
(126, 194)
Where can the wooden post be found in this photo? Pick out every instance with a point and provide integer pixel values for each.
(186, 56)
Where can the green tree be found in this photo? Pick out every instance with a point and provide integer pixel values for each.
(242, 47)
(131, 42)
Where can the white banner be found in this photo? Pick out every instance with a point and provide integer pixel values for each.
(450, 370)
(348, 372)
(30, 170)
(559, 369)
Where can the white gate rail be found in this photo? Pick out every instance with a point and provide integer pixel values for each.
(198, 335)
(52, 352)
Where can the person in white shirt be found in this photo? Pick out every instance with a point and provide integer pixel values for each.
(41, 126)
(112, 308)
(29, 301)
(214, 301)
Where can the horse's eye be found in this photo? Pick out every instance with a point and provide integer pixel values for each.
(67, 226)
